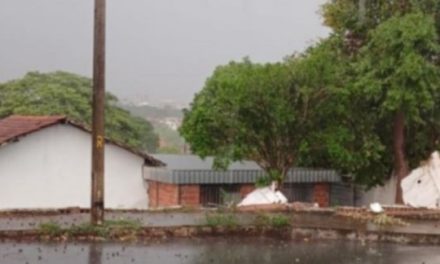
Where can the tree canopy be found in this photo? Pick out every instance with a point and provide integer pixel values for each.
(393, 47)
(370, 93)
(250, 111)
(62, 93)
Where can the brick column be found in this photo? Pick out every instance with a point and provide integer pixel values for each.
(168, 194)
(152, 194)
(321, 194)
(190, 195)
(162, 194)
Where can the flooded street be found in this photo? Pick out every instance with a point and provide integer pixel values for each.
(216, 250)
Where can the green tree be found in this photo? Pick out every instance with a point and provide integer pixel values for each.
(393, 46)
(250, 111)
(62, 93)
(398, 74)
(343, 136)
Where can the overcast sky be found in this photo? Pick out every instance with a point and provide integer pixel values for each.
(157, 50)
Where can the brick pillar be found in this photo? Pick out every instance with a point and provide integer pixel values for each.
(321, 194)
(162, 194)
(245, 189)
(168, 194)
(152, 194)
(190, 195)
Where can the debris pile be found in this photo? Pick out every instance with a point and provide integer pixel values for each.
(421, 188)
(262, 196)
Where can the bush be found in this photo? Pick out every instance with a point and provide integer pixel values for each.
(275, 221)
(50, 228)
(225, 220)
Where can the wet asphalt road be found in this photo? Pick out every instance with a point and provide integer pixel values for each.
(216, 250)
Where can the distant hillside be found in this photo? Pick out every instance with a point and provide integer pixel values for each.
(153, 112)
(165, 121)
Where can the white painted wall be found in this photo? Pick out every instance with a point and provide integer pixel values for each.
(384, 195)
(51, 168)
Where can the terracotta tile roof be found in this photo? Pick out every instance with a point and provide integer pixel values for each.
(16, 126)
(13, 127)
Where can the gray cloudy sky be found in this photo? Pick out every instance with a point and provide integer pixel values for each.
(156, 49)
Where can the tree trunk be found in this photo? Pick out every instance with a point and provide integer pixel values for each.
(400, 163)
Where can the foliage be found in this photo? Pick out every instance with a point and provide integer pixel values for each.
(221, 220)
(397, 68)
(272, 220)
(392, 52)
(355, 18)
(381, 220)
(387, 220)
(250, 111)
(363, 101)
(263, 181)
(398, 72)
(337, 140)
(50, 228)
(62, 93)
(109, 229)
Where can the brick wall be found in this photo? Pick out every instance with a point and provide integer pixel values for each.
(245, 189)
(190, 195)
(152, 194)
(162, 194)
(321, 194)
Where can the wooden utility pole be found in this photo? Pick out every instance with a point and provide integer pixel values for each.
(98, 138)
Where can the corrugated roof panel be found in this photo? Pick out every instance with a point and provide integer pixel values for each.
(208, 176)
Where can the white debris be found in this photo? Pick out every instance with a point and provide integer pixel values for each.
(266, 195)
(422, 187)
(376, 208)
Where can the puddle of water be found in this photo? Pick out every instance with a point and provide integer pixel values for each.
(217, 250)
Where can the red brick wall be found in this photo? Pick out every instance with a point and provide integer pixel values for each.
(321, 194)
(190, 195)
(245, 189)
(162, 194)
(152, 194)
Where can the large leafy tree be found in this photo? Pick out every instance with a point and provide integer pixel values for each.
(398, 75)
(251, 111)
(393, 46)
(62, 93)
(343, 135)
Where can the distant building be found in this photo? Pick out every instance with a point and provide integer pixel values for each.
(45, 162)
(187, 180)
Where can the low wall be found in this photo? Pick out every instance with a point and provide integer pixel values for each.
(417, 226)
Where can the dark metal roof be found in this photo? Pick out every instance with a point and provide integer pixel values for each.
(189, 169)
(193, 162)
(16, 126)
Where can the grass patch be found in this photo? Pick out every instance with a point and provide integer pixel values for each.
(223, 220)
(384, 220)
(275, 221)
(109, 229)
(50, 228)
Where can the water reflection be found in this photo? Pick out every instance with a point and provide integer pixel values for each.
(95, 253)
(203, 251)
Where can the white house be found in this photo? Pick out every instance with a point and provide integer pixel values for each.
(45, 162)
